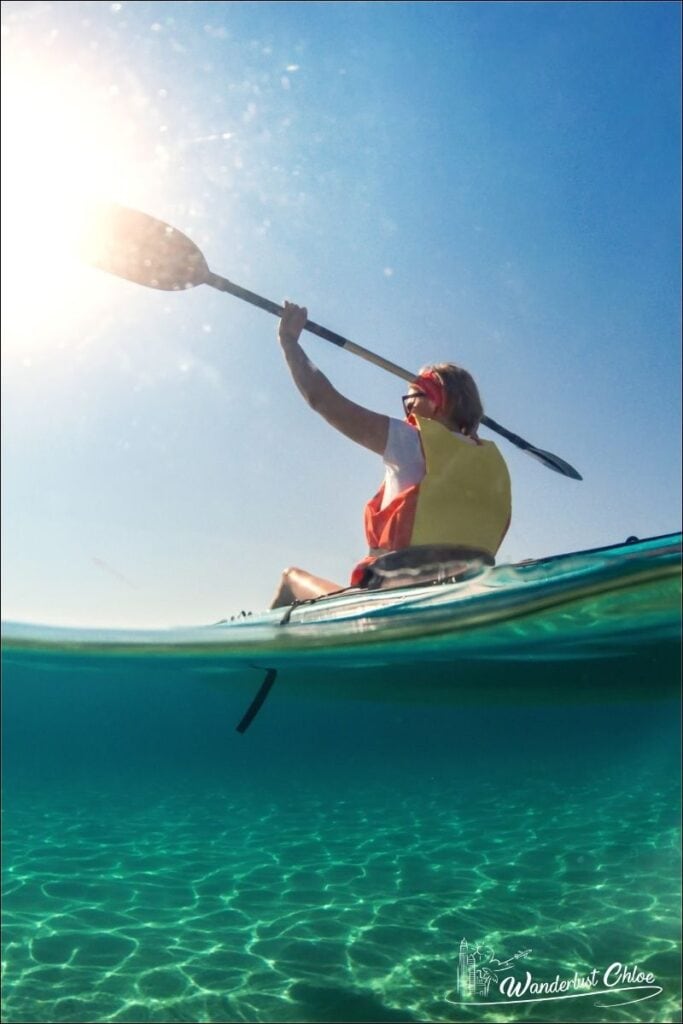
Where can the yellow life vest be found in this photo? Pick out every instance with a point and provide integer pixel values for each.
(463, 500)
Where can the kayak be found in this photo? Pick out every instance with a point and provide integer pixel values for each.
(597, 626)
(580, 604)
(588, 626)
(613, 590)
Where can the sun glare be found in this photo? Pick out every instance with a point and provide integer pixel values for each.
(62, 149)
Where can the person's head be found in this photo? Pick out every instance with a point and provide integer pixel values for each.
(447, 393)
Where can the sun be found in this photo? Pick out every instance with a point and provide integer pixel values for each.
(63, 148)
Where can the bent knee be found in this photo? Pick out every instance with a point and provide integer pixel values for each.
(292, 570)
(293, 573)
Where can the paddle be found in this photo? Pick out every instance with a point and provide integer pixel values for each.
(140, 248)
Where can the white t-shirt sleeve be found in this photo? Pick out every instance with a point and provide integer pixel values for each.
(404, 462)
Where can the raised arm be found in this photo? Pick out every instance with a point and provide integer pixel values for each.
(361, 425)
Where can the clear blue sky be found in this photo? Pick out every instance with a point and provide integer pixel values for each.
(496, 184)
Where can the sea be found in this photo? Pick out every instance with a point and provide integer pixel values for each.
(508, 850)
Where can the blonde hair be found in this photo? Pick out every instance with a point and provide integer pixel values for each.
(463, 407)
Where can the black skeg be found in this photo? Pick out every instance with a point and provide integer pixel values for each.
(258, 700)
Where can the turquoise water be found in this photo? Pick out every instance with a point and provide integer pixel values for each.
(327, 865)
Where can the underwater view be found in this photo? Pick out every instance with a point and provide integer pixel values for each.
(495, 840)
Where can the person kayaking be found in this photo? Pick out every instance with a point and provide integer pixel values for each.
(443, 489)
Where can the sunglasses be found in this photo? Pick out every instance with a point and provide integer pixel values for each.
(411, 398)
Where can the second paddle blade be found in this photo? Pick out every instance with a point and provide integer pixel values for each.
(140, 248)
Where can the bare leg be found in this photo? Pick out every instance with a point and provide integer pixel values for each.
(297, 585)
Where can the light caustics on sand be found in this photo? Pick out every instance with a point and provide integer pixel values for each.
(212, 907)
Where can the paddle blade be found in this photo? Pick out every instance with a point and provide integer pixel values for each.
(140, 248)
(553, 462)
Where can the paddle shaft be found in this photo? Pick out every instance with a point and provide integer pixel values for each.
(224, 285)
(143, 249)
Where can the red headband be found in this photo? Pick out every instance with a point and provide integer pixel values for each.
(432, 387)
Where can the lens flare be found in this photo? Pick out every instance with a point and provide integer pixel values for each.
(63, 149)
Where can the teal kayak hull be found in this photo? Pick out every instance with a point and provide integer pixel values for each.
(605, 604)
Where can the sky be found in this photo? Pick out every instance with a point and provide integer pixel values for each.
(494, 184)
